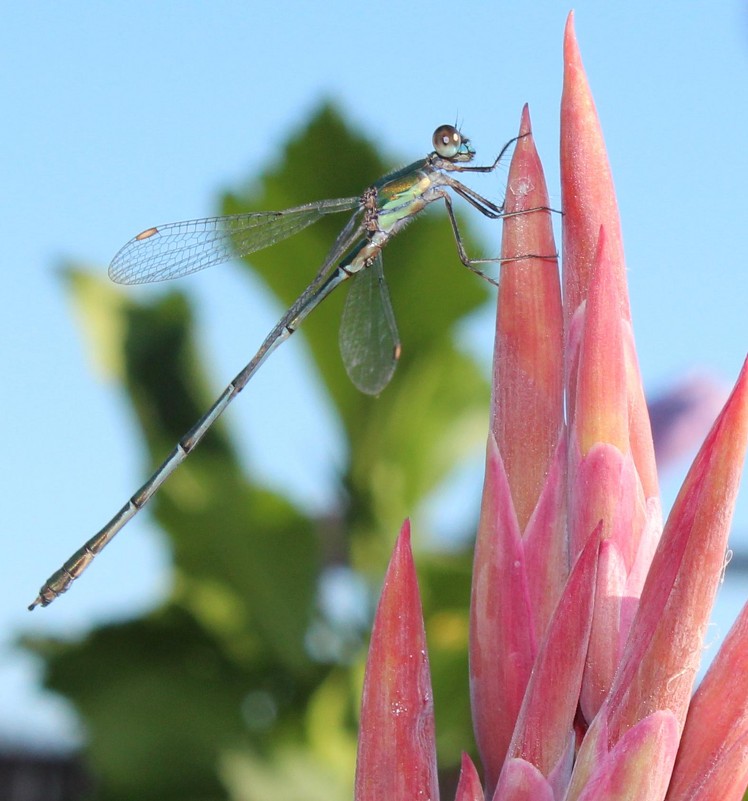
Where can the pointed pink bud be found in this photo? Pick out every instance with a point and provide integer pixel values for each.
(522, 781)
(396, 747)
(586, 185)
(502, 634)
(544, 734)
(468, 788)
(524, 490)
(527, 404)
(636, 769)
(712, 759)
(589, 203)
(662, 654)
(612, 474)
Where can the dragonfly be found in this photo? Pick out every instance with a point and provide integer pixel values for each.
(369, 342)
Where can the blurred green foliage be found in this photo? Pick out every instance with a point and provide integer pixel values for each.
(216, 694)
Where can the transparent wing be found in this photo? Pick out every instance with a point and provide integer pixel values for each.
(369, 342)
(181, 248)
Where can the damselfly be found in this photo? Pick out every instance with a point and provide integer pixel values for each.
(369, 341)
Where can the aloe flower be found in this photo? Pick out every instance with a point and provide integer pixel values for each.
(587, 616)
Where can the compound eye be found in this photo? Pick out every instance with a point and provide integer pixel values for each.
(447, 141)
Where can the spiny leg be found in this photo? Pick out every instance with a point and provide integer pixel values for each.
(471, 263)
(491, 167)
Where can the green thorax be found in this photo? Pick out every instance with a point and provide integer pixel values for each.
(400, 194)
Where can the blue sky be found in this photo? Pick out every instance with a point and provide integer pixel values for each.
(119, 116)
